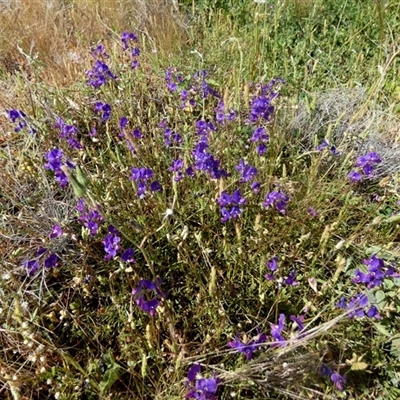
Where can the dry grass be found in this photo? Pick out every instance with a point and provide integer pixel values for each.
(56, 34)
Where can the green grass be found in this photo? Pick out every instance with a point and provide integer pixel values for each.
(76, 331)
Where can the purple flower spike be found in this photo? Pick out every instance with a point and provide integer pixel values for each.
(259, 135)
(54, 163)
(56, 232)
(123, 122)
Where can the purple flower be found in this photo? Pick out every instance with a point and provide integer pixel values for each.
(177, 165)
(338, 380)
(41, 251)
(169, 79)
(31, 265)
(365, 166)
(255, 186)
(259, 135)
(128, 255)
(312, 211)
(127, 38)
(334, 151)
(277, 199)
(111, 243)
(261, 108)
(355, 176)
(261, 149)
(99, 52)
(221, 116)
(276, 330)
(376, 273)
(171, 138)
(299, 321)
(104, 109)
(123, 122)
(322, 145)
(247, 171)
(360, 277)
(15, 115)
(54, 163)
(148, 295)
(272, 264)
(231, 205)
(19, 117)
(248, 348)
(372, 312)
(155, 186)
(54, 159)
(91, 219)
(135, 52)
(69, 133)
(203, 128)
(99, 74)
(205, 161)
(141, 174)
(290, 280)
(137, 134)
(56, 232)
(324, 370)
(51, 261)
(201, 388)
(357, 306)
(194, 370)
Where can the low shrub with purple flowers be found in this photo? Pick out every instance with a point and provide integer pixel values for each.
(176, 241)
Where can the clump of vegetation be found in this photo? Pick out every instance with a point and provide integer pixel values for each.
(172, 232)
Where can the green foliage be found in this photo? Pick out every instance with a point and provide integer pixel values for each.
(80, 328)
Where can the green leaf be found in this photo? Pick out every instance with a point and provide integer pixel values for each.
(381, 329)
(112, 374)
(380, 296)
(395, 350)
